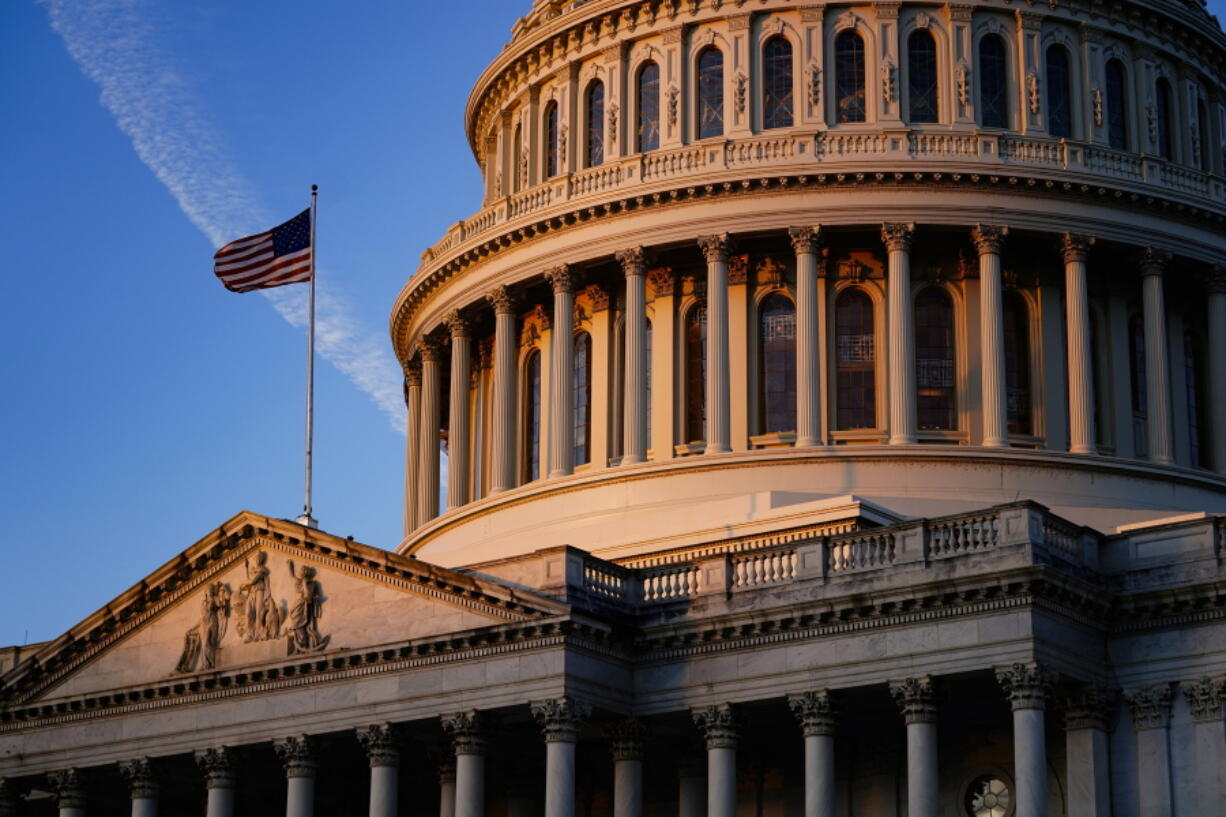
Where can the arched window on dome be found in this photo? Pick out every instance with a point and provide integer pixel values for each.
(849, 77)
(777, 83)
(581, 383)
(1194, 384)
(922, 77)
(710, 93)
(1162, 112)
(517, 151)
(1018, 411)
(993, 82)
(1140, 388)
(696, 372)
(594, 128)
(1059, 92)
(531, 434)
(855, 361)
(1117, 105)
(776, 364)
(934, 360)
(647, 104)
(551, 140)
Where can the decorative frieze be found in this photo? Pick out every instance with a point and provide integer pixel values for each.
(627, 738)
(217, 766)
(1091, 707)
(69, 788)
(989, 238)
(465, 732)
(719, 725)
(915, 698)
(380, 744)
(139, 776)
(297, 755)
(815, 711)
(560, 718)
(1206, 697)
(1150, 706)
(1075, 247)
(1027, 685)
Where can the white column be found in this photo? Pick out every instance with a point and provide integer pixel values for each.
(297, 755)
(559, 719)
(446, 784)
(457, 424)
(428, 439)
(1151, 712)
(142, 786)
(634, 416)
(561, 391)
(464, 729)
(1028, 686)
(379, 742)
(720, 727)
(1157, 360)
(915, 698)
(900, 318)
(988, 240)
(503, 439)
(412, 392)
(1087, 751)
(1217, 369)
(805, 241)
(715, 248)
(69, 792)
(1077, 324)
(218, 769)
(626, 742)
(815, 712)
(691, 791)
(1206, 698)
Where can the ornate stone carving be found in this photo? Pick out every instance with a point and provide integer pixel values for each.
(769, 271)
(464, 730)
(217, 766)
(851, 269)
(715, 248)
(1091, 707)
(1027, 685)
(1206, 697)
(257, 614)
(431, 349)
(915, 698)
(741, 93)
(663, 281)
(457, 324)
(719, 724)
(1151, 706)
(633, 261)
(562, 278)
(962, 78)
(444, 764)
(138, 774)
(815, 711)
(485, 353)
(815, 84)
(674, 96)
(805, 240)
(1151, 122)
(627, 738)
(503, 302)
(922, 20)
(989, 238)
(1032, 91)
(1075, 247)
(887, 80)
(69, 788)
(560, 718)
(302, 624)
(1152, 261)
(897, 235)
(1096, 94)
(563, 130)
(538, 315)
(1215, 280)
(379, 743)
(597, 296)
(412, 373)
(613, 111)
(738, 269)
(202, 642)
(297, 755)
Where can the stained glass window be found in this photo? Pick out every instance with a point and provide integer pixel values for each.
(696, 372)
(532, 417)
(581, 382)
(922, 76)
(993, 82)
(1162, 103)
(777, 364)
(849, 77)
(551, 140)
(934, 359)
(855, 361)
(777, 83)
(710, 93)
(649, 108)
(1059, 93)
(595, 125)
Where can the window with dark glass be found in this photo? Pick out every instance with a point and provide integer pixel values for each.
(1162, 111)
(532, 417)
(696, 373)
(1017, 364)
(934, 359)
(849, 77)
(777, 364)
(1194, 380)
(594, 147)
(1117, 106)
(648, 102)
(993, 82)
(1137, 380)
(1059, 93)
(551, 140)
(710, 94)
(517, 151)
(777, 83)
(855, 361)
(581, 383)
(922, 76)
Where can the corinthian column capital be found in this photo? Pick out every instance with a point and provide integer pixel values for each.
(626, 738)
(297, 755)
(217, 765)
(501, 299)
(1215, 281)
(1074, 247)
(560, 718)
(457, 324)
(633, 261)
(1150, 705)
(1090, 707)
(380, 745)
(1027, 685)
(431, 349)
(69, 788)
(562, 278)
(1206, 697)
(719, 724)
(897, 235)
(142, 782)
(916, 699)
(715, 247)
(465, 731)
(815, 711)
(805, 240)
(1153, 262)
(412, 373)
(989, 238)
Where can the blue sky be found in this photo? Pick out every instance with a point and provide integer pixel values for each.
(144, 405)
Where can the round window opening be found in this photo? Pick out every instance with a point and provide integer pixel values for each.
(987, 796)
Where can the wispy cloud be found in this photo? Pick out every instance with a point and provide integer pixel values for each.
(117, 46)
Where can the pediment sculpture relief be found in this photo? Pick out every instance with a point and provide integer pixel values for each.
(203, 641)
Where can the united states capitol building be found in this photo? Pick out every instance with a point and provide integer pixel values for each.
(833, 399)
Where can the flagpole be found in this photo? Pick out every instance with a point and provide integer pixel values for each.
(307, 519)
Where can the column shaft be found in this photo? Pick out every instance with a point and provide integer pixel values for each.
(1216, 376)
(897, 238)
(628, 788)
(719, 427)
(691, 794)
(1157, 359)
(469, 785)
(808, 363)
(819, 776)
(457, 426)
(503, 439)
(144, 807)
(384, 791)
(300, 797)
(721, 782)
(988, 241)
(428, 441)
(1077, 326)
(559, 779)
(1089, 787)
(1151, 712)
(220, 802)
(561, 386)
(634, 422)
(915, 698)
(1030, 762)
(412, 438)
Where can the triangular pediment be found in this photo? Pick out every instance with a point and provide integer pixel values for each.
(259, 593)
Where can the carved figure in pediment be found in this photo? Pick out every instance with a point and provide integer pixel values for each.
(203, 641)
(258, 614)
(302, 625)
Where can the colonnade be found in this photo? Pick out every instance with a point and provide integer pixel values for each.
(423, 373)
(1028, 687)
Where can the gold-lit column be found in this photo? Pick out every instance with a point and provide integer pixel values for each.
(897, 238)
(634, 419)
(412, 389)
(805, 241)
(715, 248)
(457, 426)
(428, 439)
(988, 239)
(561, 393)
(1077, 324)
(502, 441)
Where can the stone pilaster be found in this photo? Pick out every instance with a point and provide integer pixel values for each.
(900, 317)
(1206, 697)
(806, 242)
(989, 238)
(1087, 713)
(1151, 713)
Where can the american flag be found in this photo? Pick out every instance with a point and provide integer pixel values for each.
(280, 256)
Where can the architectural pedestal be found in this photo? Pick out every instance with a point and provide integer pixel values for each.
(720, 727)
(915, 698)
(816, 715)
